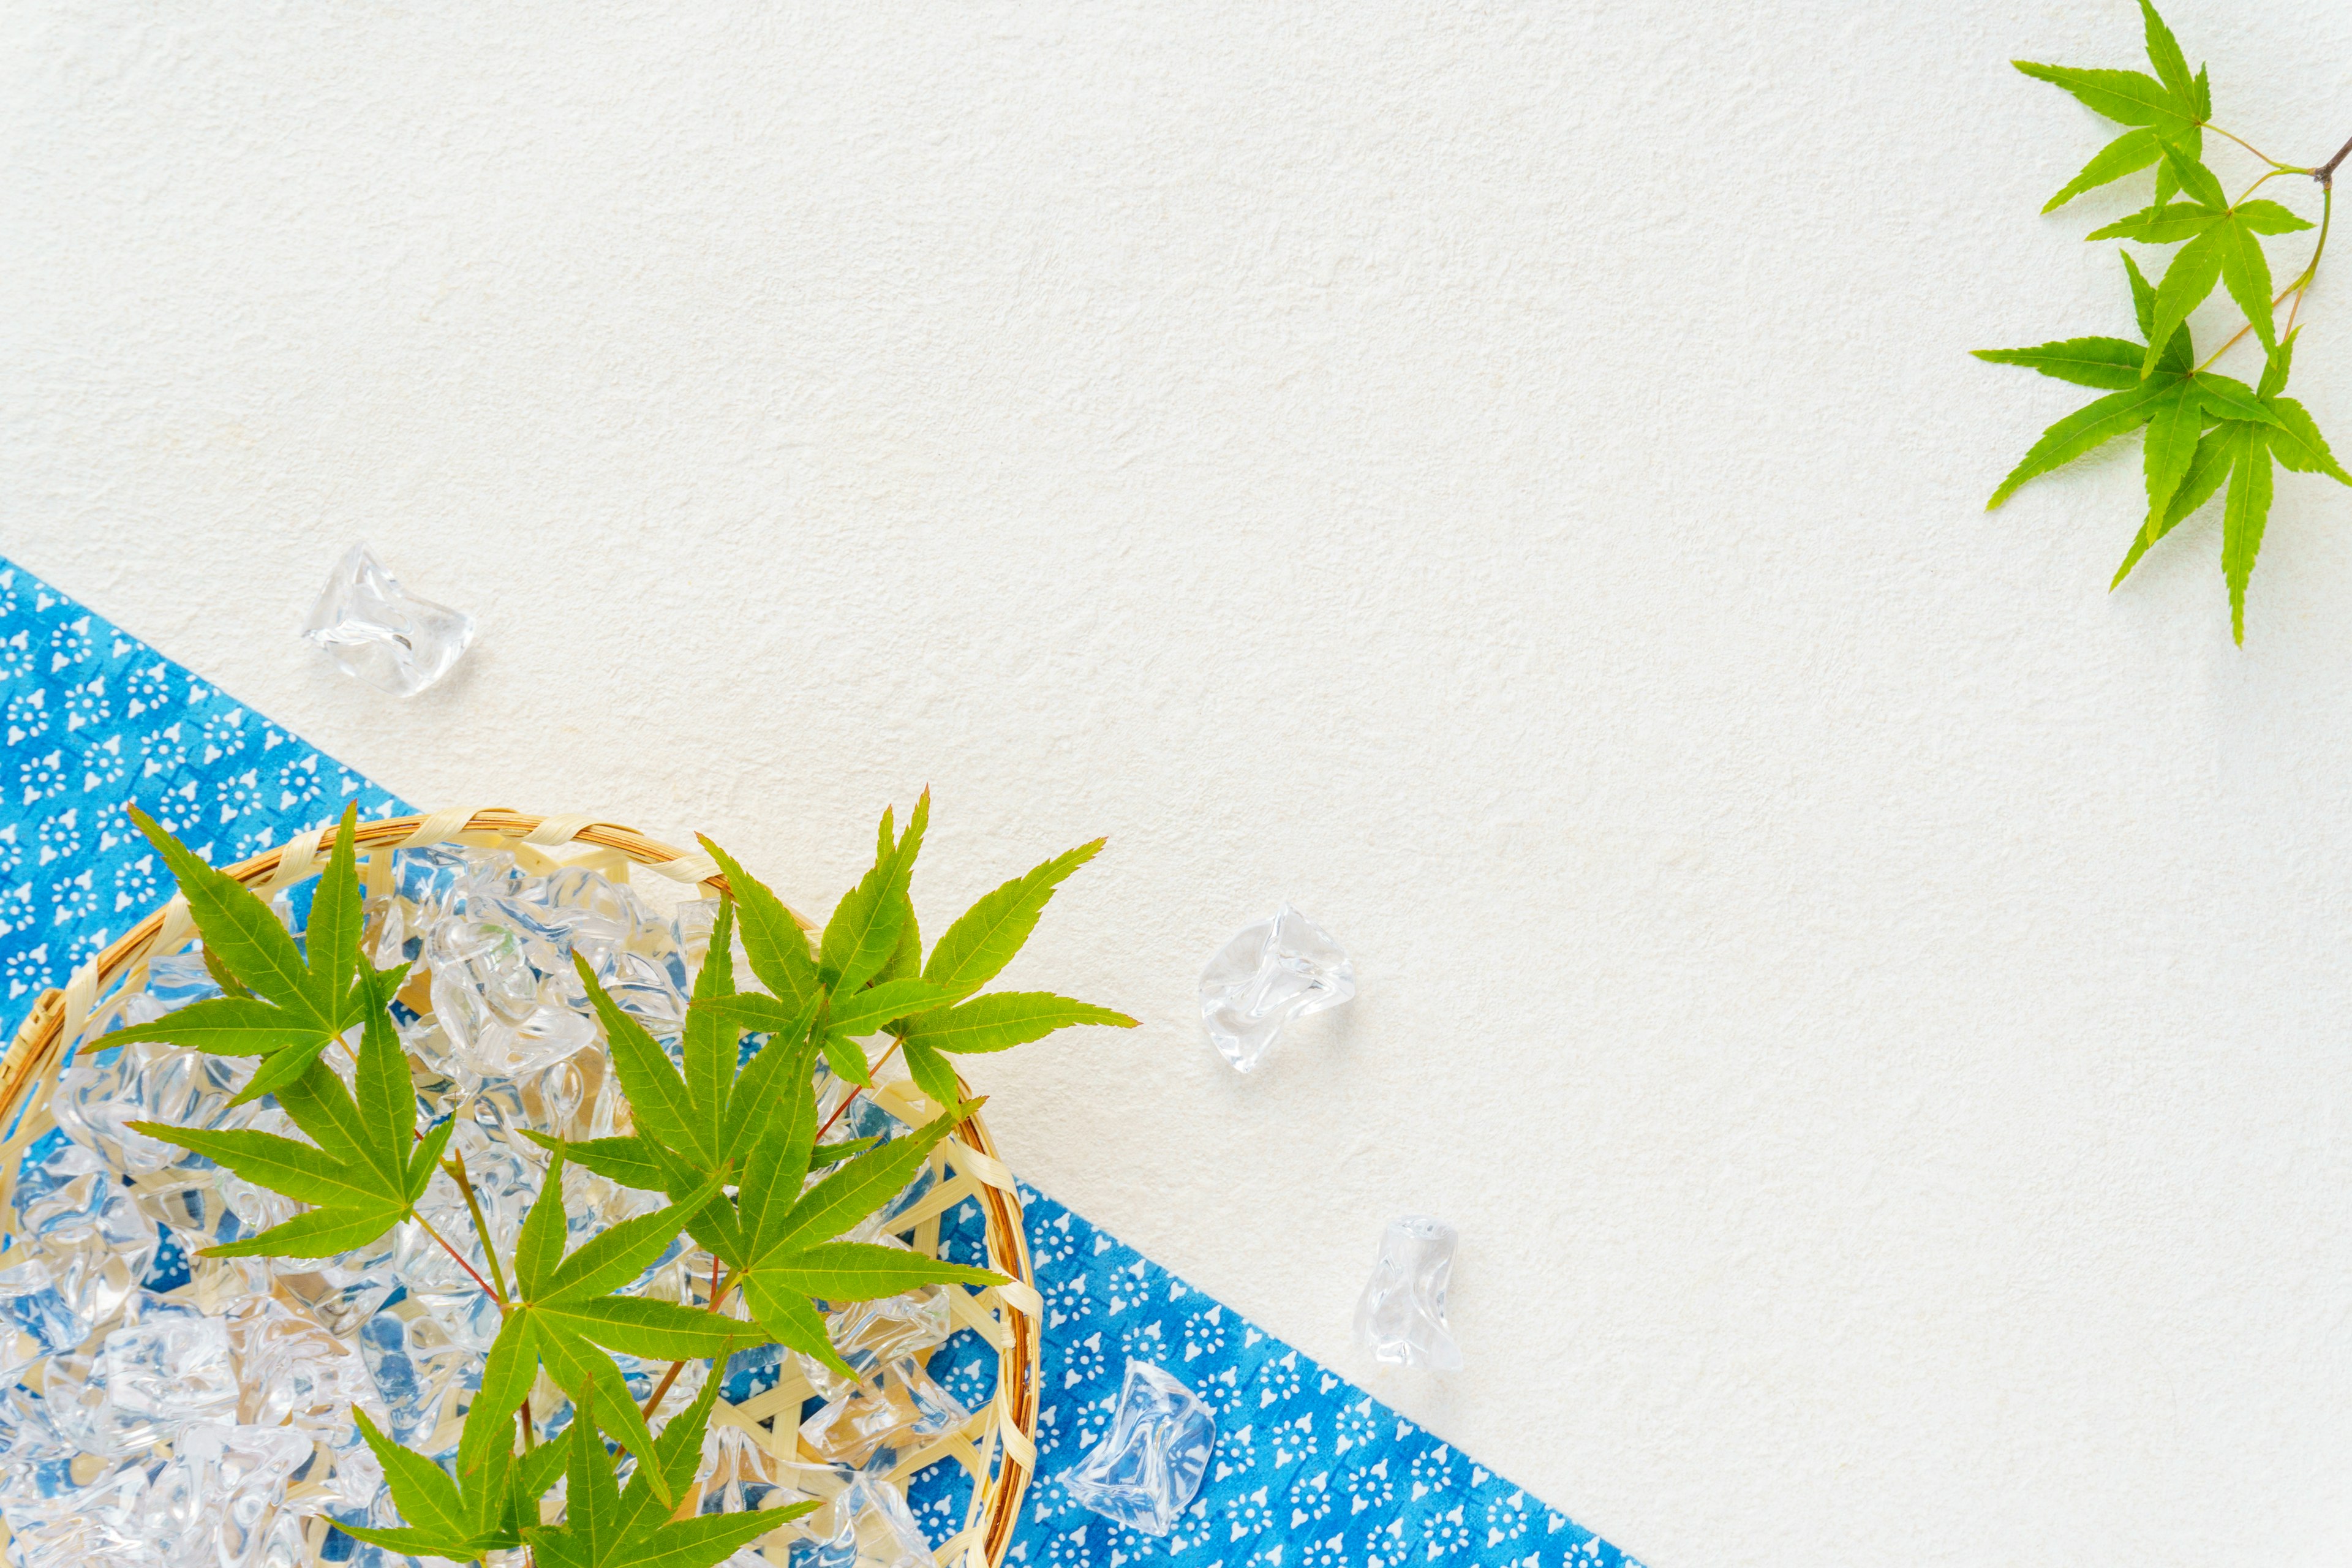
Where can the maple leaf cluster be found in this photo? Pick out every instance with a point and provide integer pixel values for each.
(2203, 428)
(726, 1132)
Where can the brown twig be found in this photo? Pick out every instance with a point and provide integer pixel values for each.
(845, 1105)
(653, 1401)
(719, 1294)
(2326, 172)
(461, 1262)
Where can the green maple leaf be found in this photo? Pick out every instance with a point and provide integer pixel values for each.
(2127, 155)
(2127, 98)
(564, 1310)
(2172, 67)
(995, 1021)
(862, 943)
(867, 968)
(781, 1243)
(863, 933)
(970, 955)
(284, 1004)
(2168, 109)
(2245, 511)
(772, 941)
(367, 1167)
(789, 1236)
(2174, 399)
(607, 1526)
(2110, 362)
(984, 938)
(479, 1510)
(2219, 242)
(2241, 452)
(699, 1125)
(694, 1125)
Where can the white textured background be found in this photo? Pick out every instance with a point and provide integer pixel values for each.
(1504, 479)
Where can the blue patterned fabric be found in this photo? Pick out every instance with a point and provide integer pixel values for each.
(1310, 1471)
(97, 720)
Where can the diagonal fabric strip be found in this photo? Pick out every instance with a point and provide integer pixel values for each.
(95, 720)
(1309, 1471)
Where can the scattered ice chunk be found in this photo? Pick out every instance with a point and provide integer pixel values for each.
(36, 1456)
(381, 633)
(215, 1501)
(357, 1483)
(862, 1521)
(37, 1310)
(1280, 969)
(737, 1475)
(1145, 1471)
(98, 1524)
(73, 1396)
(339, 1294)
(1400, 1318)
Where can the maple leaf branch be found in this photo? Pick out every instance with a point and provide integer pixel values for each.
(2265, 157)
(2302, 284)
(455, 1168)
(2326, 172)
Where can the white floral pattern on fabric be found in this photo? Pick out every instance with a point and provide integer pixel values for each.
(1310, 1471)
(97, 720)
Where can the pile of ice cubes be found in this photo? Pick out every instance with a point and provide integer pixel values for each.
(148, 1421)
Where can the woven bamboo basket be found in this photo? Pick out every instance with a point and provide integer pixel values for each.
(997, 1447)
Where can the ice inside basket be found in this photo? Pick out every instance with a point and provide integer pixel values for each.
(161, 1408)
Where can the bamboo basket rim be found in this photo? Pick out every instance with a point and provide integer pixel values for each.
(997, 1447)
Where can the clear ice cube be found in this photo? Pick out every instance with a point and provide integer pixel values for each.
(1400, 1318)
(171, 1371)
(870, 1333)
(73, 1396)
(1280, 969)
(81, 1246)
(214, 1503)
(738, 1475)
(148, 1080)
(381, 633)
(416, 1365)
(99, 1524)
(898, 1408)
(339, 1294)
(35, 1455)
(866, 1524)
(1144, 1471)
(291, 1371)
